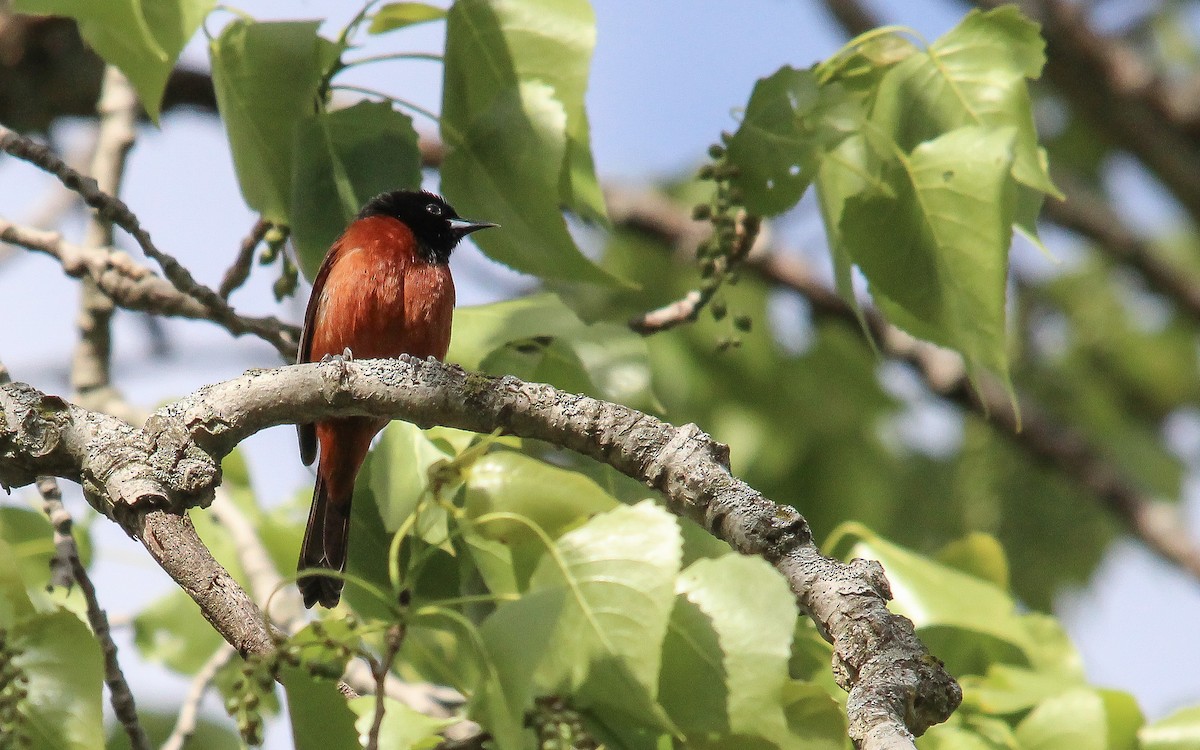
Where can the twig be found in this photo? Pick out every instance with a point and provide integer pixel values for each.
(189, 712)
(136, 287)
(113, 209)
(381, 669)
(1155, 523)
(91, 365)
(237, 273)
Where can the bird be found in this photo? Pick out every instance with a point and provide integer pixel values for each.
(384, 289)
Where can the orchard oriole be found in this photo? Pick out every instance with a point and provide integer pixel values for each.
(384, 289)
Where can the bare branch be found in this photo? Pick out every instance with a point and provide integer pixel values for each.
(237, 273)
(136, 287)
(189, 712)
(115, 210)
(90, 366)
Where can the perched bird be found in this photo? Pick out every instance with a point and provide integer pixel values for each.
(384, 289)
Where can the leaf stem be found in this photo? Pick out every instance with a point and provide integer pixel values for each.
(374, 92)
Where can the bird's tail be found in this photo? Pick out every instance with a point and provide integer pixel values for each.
(324, 547)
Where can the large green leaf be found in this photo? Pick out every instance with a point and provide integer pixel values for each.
(143, 39)
(933, 241)
(398, 473)
(974, 75)
(538, 337)
(515, 636)
(1074, 720)
(730, 679)
(517, 136)
(64, 667)
(321, 719)
(940, 599)
(790, 122)
(266, 77)
(553, 499)
(341, 160)
(617, 573)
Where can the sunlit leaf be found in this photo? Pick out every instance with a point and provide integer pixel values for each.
(1179, 731)
(514, 125)
(321, 718)
(402, 15)
(933, 242)
(617, 572)
(266, 77)
(63, 665)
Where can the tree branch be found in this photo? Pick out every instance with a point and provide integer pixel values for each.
(91, 365)
(892, 679)
(115, 210)
(189, 712)
(136, 287)
(237, 273)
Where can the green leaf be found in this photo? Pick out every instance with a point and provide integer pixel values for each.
(399, 473)
(973, 76)
(321, 720)
(980, 555)
(552, 498)
(402, 728)
(790, 122)
(342, 159)
(933, 242)
(172, 632)
(514, 125)
(1179, 731)
(1072, 721)
(64, 667)
(618, 573)
(515, 637)
(549, 340)
(733, 680)
(17, 602)
(266, 77)
(1007, 689)
(816, 721)
(401, 15)
(143, 39)
(935, 596)
(32, 539)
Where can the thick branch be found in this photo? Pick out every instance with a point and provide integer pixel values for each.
(893, 681)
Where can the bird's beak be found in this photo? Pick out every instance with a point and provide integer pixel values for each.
(463, 227)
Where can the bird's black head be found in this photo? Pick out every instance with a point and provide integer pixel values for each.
(432, 220)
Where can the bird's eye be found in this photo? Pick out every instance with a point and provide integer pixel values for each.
(434, 209)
